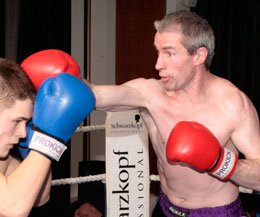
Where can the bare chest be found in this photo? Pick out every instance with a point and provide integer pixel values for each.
(166, 114)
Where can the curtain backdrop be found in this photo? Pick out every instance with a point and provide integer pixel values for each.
(2, 28)
(236, 24)
(44, 24)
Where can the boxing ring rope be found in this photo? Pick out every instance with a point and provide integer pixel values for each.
(91, 178)
(83, 129)
(102, 177)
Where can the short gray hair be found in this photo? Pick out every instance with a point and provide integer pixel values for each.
(196, 31)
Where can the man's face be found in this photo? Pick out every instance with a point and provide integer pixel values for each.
(174, 63)
(87, 210)
(13, 124)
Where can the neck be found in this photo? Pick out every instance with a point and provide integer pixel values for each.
(4, 164)
(198, 88)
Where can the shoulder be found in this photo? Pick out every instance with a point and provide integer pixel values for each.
(144, 84)
(236, 100)
(241, 114)
(230, 96)
(236, 104)
(148, 89)
(142, 81)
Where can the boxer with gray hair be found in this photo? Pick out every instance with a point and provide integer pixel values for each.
(197, 122)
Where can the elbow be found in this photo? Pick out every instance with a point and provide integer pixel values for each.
(42, 201)
(14, 208)
(101, 104)
(15, 212)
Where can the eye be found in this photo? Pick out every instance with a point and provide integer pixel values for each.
(20, 122)
(16, 122)
(169, 54)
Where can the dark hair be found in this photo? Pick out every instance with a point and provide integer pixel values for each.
(195, 30)
(14, 84)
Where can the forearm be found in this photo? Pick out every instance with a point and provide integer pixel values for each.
(100, 104)
(247, 174)
(44, 194)
(21, 188)
(90, 85)
(113, 98)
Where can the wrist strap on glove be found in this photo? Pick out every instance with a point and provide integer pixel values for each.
(46, 144)
(226, 164)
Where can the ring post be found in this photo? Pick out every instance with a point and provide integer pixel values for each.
(127, 165)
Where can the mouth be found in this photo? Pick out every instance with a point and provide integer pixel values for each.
(11, 145)
(164, 78)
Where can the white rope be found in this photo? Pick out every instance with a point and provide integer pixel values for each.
(102, 177)
(245, 190)
(91, 178)
(77, 180)
(82, 129)
(155, 178)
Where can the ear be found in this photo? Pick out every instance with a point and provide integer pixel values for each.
(200, 56)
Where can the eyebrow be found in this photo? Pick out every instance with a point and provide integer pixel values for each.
(22, 118)
(168, 48)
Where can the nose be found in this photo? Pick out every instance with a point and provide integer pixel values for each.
(159, 63)
(21, 130)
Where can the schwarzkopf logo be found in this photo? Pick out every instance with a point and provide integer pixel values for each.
(131, 125)
(134, 126)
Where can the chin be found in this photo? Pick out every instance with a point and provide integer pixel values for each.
(4, 156)
(169, 88)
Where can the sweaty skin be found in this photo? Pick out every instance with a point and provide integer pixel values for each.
(189, 92)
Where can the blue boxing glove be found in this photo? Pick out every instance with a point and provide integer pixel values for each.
(61, 104)
(23, 144)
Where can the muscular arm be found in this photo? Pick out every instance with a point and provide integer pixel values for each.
(246, 138)
(118, 97)
(247, 174)
(21, 187)
(44, 194)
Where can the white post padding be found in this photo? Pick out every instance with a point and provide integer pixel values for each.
(127, 165)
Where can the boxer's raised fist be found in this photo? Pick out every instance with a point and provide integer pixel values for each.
(61, 104)
(49, 63)
(194, 144)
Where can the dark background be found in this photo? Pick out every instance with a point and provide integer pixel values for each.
(237, 30)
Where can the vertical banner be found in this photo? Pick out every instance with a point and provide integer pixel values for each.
(127, 165)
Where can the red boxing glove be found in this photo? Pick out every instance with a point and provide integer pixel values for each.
(194, 144)
(49, 63)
